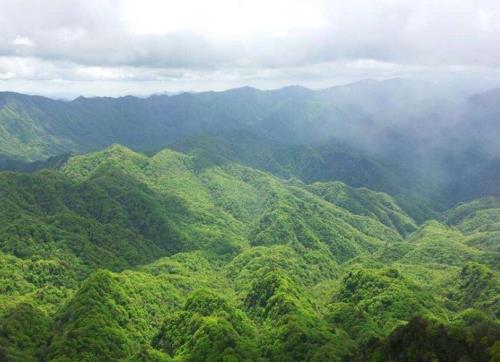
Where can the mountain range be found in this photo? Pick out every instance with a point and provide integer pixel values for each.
(439, 143)
(356, 223)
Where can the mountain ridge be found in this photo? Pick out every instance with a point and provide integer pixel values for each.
(154, 257)
(398, 121)
(348, 224)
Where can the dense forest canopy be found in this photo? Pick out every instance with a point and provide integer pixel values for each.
(248, 225)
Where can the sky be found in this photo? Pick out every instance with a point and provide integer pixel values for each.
(65, 48)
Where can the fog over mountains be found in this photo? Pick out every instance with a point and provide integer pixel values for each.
(436, 142)
(250, 180)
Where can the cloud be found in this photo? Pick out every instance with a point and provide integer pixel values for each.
(280, 40)
(21, 41)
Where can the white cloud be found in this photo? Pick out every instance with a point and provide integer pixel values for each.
(242, 42)
(7, 75)
(22, 41)
(224, 19)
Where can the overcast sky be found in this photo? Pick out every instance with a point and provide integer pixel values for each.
(101, 47)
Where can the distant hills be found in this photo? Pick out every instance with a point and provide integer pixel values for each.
(35, 127)
(435, 142)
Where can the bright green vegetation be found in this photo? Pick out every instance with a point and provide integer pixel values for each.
(364, 201)
(116, 255)
(285, 225)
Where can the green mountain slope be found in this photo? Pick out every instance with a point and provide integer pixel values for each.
(117, 208)
(116, 255)
(364, 201)
(396, 136)
(320, 163)
(324, 162)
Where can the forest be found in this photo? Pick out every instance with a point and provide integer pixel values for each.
(118, 255)
(249, 181)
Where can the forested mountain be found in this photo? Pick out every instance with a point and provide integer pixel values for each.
(116, 255)
(367, 114)
(35, 127)
(423, 140)
(356, 223)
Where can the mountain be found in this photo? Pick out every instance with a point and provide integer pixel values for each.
(36, 127)
(118, 255)
(328, 161)
(317, 163)
(368, 110)
(419, 139)
(483, 112)
(162, 204)
(355, 223)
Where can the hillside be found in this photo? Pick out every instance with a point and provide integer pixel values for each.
(34, 128)
(117, 255)
(397, 136)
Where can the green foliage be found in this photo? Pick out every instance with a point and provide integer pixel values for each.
(23, 332)
(122, 256)
(207, 329)
(477, 287)
(387, 296)
(357, 324)
(307, 163)
(292, 328)
(480, 221)
(303, 266)
(435, 243)
(45, 283)
(275, 131)
(366, 202)
(111, 316)
(470, 216)
(91, 326)
(424, 340)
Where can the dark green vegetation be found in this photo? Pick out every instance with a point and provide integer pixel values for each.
(357, 223)
(116, 255)
(396, 136)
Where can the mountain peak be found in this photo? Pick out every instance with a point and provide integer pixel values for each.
(118, 148)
